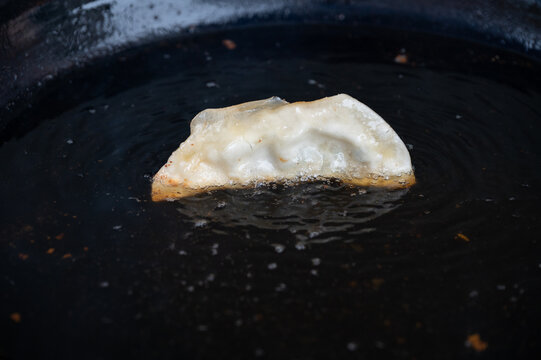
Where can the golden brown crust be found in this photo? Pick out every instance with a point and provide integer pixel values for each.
(392, 182)
(161, 191)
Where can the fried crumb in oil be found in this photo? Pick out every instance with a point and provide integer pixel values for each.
(377, 282)
(474, 341)
(461, 236)
(401, 59)
(229, 44)
(15, 317)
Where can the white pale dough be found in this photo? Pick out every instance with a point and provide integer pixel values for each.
(271, 140)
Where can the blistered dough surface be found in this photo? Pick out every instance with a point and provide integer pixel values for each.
(272, 140)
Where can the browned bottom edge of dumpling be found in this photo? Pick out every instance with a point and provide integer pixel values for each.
(161, 191)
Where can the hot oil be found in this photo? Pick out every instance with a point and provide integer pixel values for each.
(315, 269)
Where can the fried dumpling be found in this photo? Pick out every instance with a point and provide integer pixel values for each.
(272, 140)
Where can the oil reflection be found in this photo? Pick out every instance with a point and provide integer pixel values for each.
(314, 212)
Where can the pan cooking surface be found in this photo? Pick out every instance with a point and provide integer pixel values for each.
(96, 270)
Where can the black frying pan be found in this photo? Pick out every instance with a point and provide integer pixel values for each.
(94, 96)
